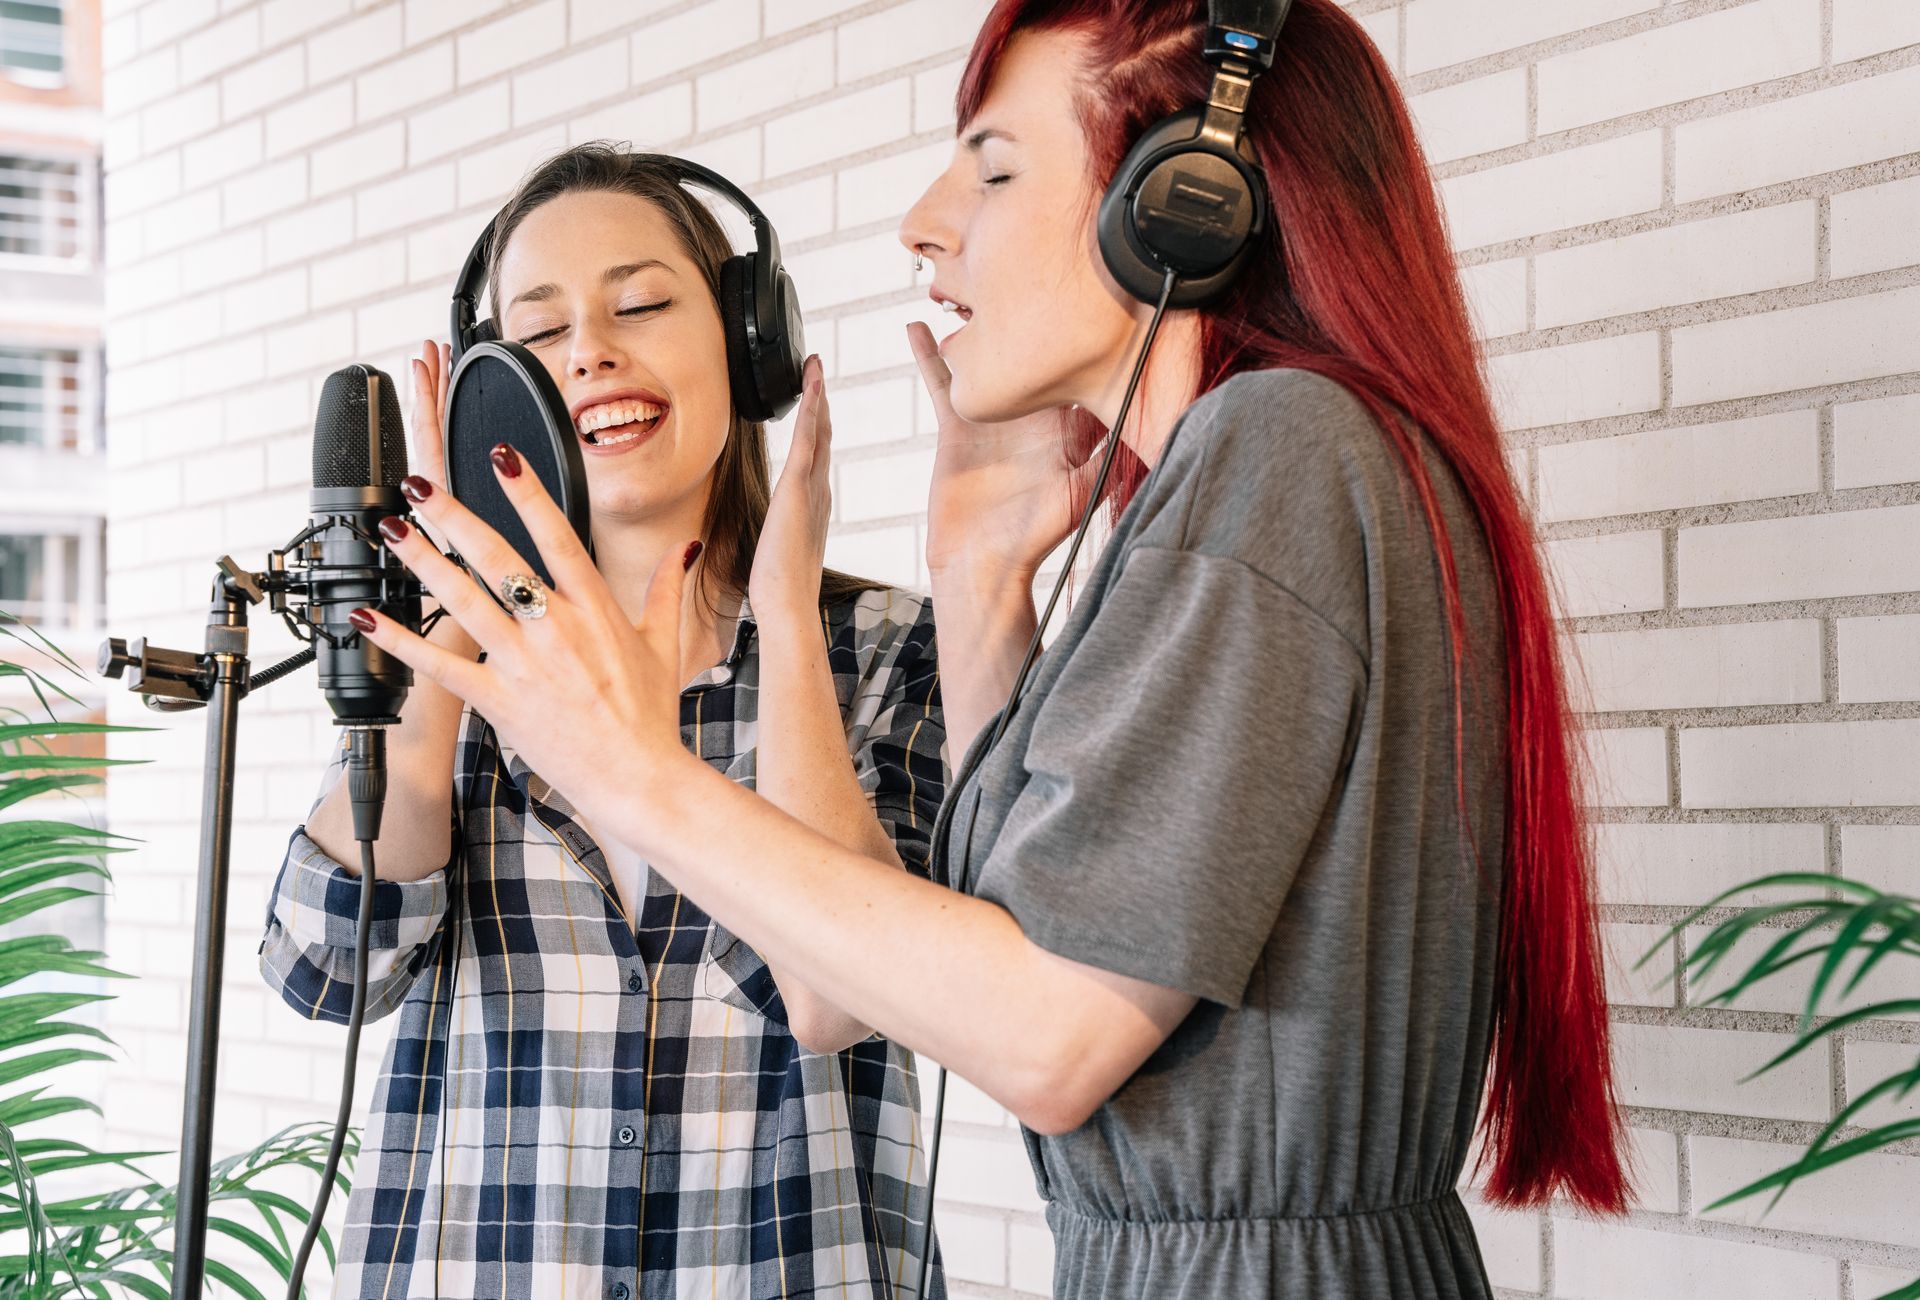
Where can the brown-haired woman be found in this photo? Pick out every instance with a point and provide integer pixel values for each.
(594, 1090)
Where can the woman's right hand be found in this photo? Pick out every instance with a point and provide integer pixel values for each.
(1003, 495)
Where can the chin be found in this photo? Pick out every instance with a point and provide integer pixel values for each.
(992, 403)
(629, 501)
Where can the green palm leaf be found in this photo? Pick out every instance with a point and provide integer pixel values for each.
(106, 1243)
(1852, 922)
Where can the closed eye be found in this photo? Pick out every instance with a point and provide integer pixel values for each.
(642, 309)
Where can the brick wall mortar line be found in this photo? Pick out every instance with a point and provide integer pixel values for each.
(1838, 181)
(1661, 815)
(1534, 52)
(1699, 108)
(1803, 505)
(1713, 717)
(1710, 312)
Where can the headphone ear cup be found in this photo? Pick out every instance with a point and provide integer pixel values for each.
(1120, 247)
(484, 332)
(1170, 151)
(736, 309)
(783, 345)
(766, 341)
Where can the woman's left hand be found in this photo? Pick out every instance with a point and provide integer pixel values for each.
(787, 563)
(588, 699)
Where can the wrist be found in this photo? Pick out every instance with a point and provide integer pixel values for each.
(660, 822)
(983, 577)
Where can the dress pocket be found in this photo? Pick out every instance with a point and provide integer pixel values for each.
(732, 972)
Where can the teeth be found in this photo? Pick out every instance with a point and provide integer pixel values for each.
(608, 414)
(948, 305)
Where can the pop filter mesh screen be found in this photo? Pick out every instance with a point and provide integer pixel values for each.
(494, 401)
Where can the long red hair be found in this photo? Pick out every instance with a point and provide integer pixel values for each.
(1362, 289)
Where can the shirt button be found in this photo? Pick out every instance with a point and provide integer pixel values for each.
(620, 1291)
(626, 1135)
(633, 982)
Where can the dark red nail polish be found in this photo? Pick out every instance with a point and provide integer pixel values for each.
(505, 459)
(362, 619)
(414, 488)
(693, 553)
(394, 529)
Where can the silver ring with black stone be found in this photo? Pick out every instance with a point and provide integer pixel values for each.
(524, 596)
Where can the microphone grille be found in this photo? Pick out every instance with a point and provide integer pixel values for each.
(349, 450)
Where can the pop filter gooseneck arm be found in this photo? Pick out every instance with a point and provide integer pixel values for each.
(1094, 499)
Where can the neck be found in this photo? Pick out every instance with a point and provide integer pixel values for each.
(628, 550)
(1168, 385)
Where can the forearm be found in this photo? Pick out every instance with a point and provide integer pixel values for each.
(986, 622)
(802, 767)
(937, 971)
(415, 826)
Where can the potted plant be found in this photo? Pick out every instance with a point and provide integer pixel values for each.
(113, 1240)
(1840, 931)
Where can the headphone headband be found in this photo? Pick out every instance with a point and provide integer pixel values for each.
(473, 274)
(766, 345)
(1247, 30)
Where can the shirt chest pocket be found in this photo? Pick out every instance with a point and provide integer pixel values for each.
(732, 972)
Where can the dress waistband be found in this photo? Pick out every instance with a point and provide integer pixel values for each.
(1079, 1217)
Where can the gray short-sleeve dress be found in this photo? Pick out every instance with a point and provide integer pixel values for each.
(1234, 774)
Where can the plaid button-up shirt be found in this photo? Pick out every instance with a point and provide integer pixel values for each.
(576, 1107)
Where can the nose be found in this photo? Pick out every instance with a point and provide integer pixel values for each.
(928, 228)
(592, 352)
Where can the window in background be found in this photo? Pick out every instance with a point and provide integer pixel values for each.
(32, 43)
(48, 398)
(53, 576)
(41, 213)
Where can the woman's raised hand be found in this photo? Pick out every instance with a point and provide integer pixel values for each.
(1004, 495)
(792, 550)
(590, 699)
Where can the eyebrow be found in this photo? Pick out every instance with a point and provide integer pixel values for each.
(612, 275)
(980, 137)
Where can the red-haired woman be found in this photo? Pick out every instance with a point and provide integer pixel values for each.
(1277, 869)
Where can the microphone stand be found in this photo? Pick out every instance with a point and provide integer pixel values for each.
(173, 681)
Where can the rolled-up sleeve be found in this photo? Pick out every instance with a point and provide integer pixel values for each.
(898, 735)
(307, 953)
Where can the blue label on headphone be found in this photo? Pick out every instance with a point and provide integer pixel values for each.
(1242, 41)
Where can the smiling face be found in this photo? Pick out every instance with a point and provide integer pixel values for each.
(1009, 227)
(602, 289)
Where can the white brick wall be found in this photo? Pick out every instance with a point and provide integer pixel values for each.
(1686, 230)
(1689, 236)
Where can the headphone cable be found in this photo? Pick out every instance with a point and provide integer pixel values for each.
(1006, 716)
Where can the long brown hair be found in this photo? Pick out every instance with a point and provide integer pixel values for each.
(742, 482)
(1364, 292)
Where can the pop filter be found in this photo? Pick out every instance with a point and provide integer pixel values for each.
(501, 393)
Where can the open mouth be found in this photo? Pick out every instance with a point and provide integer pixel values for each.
(953, 308)
(610, 424)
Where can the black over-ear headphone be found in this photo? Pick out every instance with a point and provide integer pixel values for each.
(1188, 198)
(766, 343)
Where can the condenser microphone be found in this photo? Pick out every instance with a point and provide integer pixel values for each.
(359, 458)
